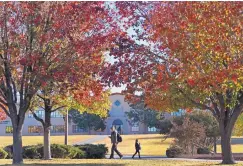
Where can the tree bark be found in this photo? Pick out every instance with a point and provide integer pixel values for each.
(215, 145)
(47, 144)
(47, 128)
(226, 149)
(17, 144)
(225, 132)
(66, 128)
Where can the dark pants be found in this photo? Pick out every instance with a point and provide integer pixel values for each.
(137, 151)
(114, 148)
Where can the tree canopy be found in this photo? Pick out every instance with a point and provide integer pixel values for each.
(191, 58)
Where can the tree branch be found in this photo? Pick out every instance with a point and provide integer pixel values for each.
(15, 91)
(196, 103)
(217, 112)
(41, 97)
(22, 86)
(38, 118)
(58, 108)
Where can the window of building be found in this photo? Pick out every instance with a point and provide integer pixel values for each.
(77, 129)
(56, 114)
(39, 113)
(57, 129)
(152, 129)
(34, 129)
(180, 112)
(117, 103)
(9, 129)
(135, 127)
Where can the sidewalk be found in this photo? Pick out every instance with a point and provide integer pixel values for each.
(92, 140)
(129, 157)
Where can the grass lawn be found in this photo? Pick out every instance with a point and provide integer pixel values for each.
(236, 148)
(33, 140)
(151, 144)
(116, 162)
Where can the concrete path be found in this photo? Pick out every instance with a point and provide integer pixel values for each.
(234, 141)
(126, 157)
(92, 140)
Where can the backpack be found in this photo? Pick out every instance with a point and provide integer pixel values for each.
(119, 138)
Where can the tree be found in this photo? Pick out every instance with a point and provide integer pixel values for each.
(39, 40)
(191, 59)
(189, 135)
(51, 102)
(204, 118)
(238, 130)
(88, 121)
(147, 116)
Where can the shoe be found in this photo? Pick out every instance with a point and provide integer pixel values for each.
(132, 157)
(121, 157)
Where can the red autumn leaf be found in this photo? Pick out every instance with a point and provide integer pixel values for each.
(23, 61)
(191, 82)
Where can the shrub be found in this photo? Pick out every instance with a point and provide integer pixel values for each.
(31, 152)
(66, 151)
(174, 151)
(3, 154)
(80, 154)
(57, 151)
(9, 150)
(189, 134)
(203, 150)
(94, 151)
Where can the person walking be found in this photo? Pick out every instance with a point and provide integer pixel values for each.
(137, 148)
(114, 143)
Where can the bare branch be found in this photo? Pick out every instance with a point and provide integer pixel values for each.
(22, 86)
(41, 97)
(58, 108)
(15, 91)
(38, 118)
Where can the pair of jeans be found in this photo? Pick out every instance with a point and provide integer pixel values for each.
(114, 148)
(137, 151)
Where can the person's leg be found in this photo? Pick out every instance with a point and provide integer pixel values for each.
(134, 154)
(112, 151)
(117, 152)
(139, 154)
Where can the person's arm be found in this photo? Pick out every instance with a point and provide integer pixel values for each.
(116, 137)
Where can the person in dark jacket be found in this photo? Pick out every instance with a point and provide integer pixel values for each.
(137, 148)
(114, 143)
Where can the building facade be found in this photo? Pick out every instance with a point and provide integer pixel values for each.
(117, 118)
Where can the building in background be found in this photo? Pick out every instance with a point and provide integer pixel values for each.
(117, 117)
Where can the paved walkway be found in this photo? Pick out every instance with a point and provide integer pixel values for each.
(92, 140)
(234, 141)
(126, 157)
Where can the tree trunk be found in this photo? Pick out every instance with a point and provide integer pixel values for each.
(225, 132)
(17, 145)
(47, 129)
(226, 149)
(66, 128)
(47, 143)
(215, 145)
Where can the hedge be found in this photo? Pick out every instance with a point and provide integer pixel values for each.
(94, 151)
(88, 151)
